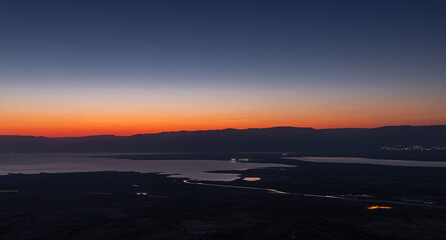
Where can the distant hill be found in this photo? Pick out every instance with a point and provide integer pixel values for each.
(376, 142)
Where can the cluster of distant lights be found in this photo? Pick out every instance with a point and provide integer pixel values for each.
(414, 148)
(239, 160)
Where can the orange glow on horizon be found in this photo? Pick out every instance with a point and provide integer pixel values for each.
(74, 122)
(54, 115)
(123, 127)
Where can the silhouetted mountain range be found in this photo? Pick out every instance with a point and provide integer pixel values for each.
(307, 141)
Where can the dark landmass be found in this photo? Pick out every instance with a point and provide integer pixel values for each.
(397, 142)
(106, 205)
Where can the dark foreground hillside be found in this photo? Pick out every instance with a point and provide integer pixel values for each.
(112, 205)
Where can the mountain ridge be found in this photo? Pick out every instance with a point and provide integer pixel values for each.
(389, 142)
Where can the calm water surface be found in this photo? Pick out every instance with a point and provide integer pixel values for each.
(387, 162)
(65, 163)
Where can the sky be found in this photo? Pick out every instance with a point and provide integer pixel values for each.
(76, 68)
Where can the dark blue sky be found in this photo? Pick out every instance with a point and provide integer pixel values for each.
(255, 40)
(388, 47)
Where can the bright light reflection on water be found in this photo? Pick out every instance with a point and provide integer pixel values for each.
(378, 207)
(251, 179)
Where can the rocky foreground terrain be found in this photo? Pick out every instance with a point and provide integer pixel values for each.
(112, 205)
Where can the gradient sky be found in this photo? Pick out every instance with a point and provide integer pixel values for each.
(74, 68)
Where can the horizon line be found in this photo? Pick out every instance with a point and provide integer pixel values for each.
(222, 129)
